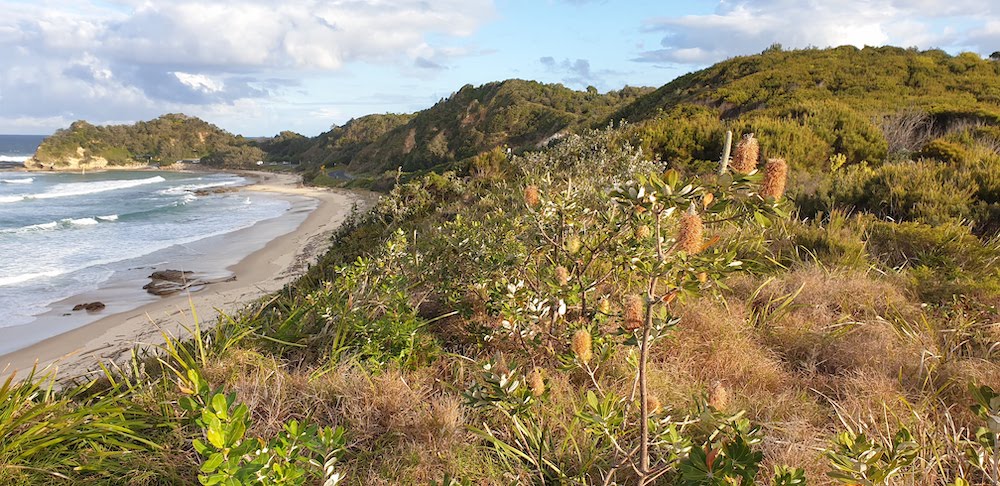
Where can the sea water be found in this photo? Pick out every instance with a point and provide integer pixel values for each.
(63, 234)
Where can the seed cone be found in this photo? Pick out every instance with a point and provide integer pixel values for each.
(690, 238)
(746, 154)
(531, 196)
(634, 307)
(582, 345)
(718, 398)
(775, 176)
(536, 383)
(562, 275)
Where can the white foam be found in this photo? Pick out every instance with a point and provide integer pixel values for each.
(62, 223)
(188, 188)
(82, 188)
(24, 277)
(14, 158)
(81, 221)
(22, 180)
(43, 226)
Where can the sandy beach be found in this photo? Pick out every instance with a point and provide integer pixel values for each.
(77, 352)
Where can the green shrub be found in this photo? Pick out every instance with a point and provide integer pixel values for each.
(944, 261)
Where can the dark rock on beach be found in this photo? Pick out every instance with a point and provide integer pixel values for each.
(89, 307)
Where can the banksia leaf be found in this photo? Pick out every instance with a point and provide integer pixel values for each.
(634, 307)
(582, 345)
(562, 275)
(536, 383)
(531, 196)
(690, 239)
(775, 176)
(746, 154)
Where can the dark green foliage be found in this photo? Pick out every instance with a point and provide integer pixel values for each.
(163, 140)
(946, 261)
(927, 191)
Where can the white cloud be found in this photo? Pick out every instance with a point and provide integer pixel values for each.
(134, 59)
(748, 26)
(200, 82)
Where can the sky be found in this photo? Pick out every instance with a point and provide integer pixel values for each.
(257, 67)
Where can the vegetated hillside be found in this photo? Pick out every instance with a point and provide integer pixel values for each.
(900, 133)
(809, 105)
(164, 140)
(516, 113)
(342, 144)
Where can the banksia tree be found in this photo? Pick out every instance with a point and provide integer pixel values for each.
(775, 176)
(531, 196)
(582, 345)
(634, 307)
(746, 154)
(690, 237)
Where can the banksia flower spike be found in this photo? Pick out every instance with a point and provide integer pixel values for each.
(573, 245)
(642, 232)
(582, 345)
(562, 275)
(746, 154)
(775, 176)
(531, 196)
(634, 307)
(652, 404)
(718, 398)
(536, 383)
(690, 237)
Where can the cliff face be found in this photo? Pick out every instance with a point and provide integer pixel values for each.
(82, 159)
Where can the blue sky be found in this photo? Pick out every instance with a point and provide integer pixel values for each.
(257, 67)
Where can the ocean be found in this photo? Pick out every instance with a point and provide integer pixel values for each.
(18, 148)
(66, 234)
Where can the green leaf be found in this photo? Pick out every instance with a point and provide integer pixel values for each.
(213, 463)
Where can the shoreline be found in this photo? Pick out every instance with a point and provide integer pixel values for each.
(281, 260)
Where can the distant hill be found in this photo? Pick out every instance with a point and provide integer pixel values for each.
(519, 114)
(809, 105)
(164, 140)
